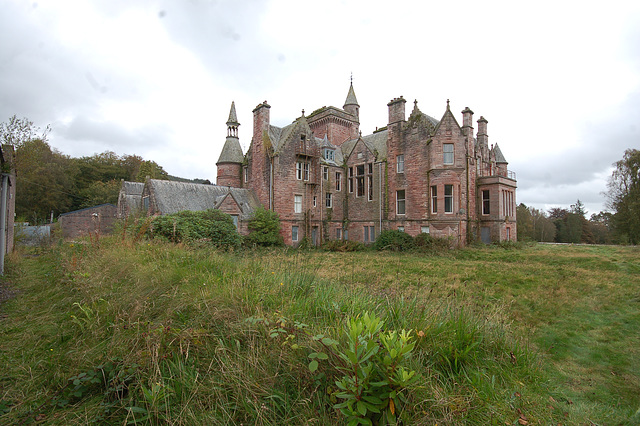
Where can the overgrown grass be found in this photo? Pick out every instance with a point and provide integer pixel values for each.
(157, 333)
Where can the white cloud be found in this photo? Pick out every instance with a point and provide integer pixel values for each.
(559, 82)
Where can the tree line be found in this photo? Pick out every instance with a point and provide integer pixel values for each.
(619, 225)
(50, 182)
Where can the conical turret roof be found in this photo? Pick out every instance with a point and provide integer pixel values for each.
(351, 97)
(231, 152)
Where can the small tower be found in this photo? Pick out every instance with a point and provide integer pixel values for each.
(230, 161)
(351, 104)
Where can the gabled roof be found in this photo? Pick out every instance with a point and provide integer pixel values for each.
(498, 155)
(231, 151)
(376, 143)
(450, 114)
(132, 188)
(130, 197)
(278, 135)
(172, 197)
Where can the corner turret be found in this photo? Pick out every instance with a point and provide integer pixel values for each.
(230, 161)
(351, 103)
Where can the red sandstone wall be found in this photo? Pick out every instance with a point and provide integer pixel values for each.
(82, 222)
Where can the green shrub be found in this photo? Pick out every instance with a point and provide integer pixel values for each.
(211, 227)
(343, 246)
(264, 229)
(394, 240)
(428, 244)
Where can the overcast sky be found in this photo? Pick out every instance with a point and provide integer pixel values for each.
(558, 81)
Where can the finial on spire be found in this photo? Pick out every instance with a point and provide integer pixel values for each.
(447, 104)
(303, 112)
(351, 77)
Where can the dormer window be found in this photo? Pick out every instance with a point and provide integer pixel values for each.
(329, 154)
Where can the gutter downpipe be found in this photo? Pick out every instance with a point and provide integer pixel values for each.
(3, 220)
(380, 195)
(271, 184)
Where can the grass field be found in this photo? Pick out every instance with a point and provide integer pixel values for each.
(122, 332)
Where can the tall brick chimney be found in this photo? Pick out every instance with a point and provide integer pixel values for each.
(467, 128)
(396, 110)
(483, 138)
(260, 180)
(260, 119)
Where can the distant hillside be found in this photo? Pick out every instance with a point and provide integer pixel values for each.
(196, 180)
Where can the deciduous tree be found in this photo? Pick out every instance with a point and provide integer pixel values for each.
(624, 197)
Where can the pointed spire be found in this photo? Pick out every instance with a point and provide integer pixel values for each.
(351, 96)
(233, 118)
(498, 154)
(232, 121)
(351, 104)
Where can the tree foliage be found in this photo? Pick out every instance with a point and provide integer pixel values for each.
(48, 181)
(624, 197)
(44, 181)
(534, 225)
(17, 131)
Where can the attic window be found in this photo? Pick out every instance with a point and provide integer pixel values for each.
(329, 154)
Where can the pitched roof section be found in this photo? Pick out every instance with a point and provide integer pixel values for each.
(233, 118)
(376, 143)
(351, 97)
(132, 188)
(172, 197)
(231, 151)
(498, 155)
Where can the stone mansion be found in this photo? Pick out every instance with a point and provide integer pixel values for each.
(328, 181)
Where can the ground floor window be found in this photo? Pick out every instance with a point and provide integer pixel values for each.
(338, 233)
(448, 198)
(424, 229)
(369, 234)
(434, 199)
(294, 233)
(401, 228)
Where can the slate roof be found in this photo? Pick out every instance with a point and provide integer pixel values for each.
(132, 188)
(351, 97)
(130, 195)
(233, 118)
(231, 151)
(498, 154)
(376, 142)
(278, 135)
(87, 208)
(172, 197)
